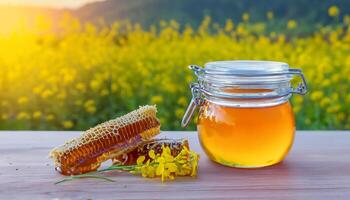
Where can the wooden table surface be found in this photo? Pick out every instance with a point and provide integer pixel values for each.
(318, 167)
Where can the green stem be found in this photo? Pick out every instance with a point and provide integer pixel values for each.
(84, 176)
(91, 174)
(118, 167)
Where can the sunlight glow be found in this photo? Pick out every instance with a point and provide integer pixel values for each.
(47, 3)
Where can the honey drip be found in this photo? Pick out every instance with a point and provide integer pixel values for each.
(246, 137)
(105, 141)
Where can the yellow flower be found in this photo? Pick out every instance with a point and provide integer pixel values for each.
(90, 109)
(335, 97)
(185, 169)
(62, 95)
(333, 11)
(67, 124)
(140, 160)
(171, 167)
(114, 87)
(317, 95)
(81, 87)
(23, 116)
(61, 85)
(152, 154)
(174, 24)
(281, 39)
(4, 116)
(245, 17)
(325, 102)
(292, 24)
(273, 34)
(229, 25)
(147, 170)
(335, 78)
(95, 84)
(346, 19)
(194, 162)
(160, 168)
(166, 166)
(50, 117)
(296, 108)
(68, 78)
(90, 106)
(269, 15)
(6, 103)
(156, 99)
(37, 89)
(326, 83)
(78, 102)
(241, 30)
(341, 116)
(162, 23)
(182, 101)
(298, 99)
(46, 93)
(104, 92)
(179, 112)
(333, 109)
(347, 99)
(37, 115)
(22, 100)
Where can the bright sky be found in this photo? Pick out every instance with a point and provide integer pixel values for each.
(48, 3)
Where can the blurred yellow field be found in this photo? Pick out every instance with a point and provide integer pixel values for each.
(86, 74)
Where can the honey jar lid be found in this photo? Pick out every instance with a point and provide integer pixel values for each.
(247, 67)
(244, 72)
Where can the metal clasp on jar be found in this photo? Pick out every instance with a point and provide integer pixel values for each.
(196, 100)
(198, 91)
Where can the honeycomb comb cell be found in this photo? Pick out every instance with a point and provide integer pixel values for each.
(105, 141)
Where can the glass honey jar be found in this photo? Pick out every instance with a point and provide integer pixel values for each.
(245, 119)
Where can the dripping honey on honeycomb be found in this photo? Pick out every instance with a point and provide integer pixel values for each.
(106, 141)
(175, 146)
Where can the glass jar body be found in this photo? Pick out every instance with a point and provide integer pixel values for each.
(248, 137)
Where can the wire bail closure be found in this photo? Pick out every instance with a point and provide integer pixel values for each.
(199, 92)
(196, 100)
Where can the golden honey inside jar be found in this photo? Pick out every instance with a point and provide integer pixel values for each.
(245, 118)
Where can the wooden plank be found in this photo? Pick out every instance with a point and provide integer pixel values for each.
(318, 167)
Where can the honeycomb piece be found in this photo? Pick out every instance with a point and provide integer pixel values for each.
(105, 141)
(175, 145)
